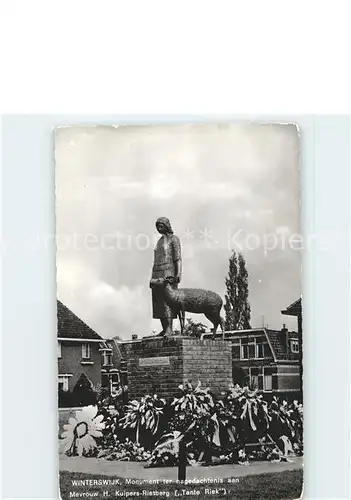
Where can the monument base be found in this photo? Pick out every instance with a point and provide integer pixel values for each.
(159, 365)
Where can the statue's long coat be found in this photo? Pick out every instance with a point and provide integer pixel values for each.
(167, 253)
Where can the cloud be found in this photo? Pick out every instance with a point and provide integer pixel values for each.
(107, 309)
(113, 183)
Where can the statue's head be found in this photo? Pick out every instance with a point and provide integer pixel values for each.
(163, 226)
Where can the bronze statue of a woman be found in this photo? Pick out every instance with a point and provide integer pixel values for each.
(167, 262)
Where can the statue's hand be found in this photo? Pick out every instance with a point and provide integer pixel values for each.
(155, 282)
(177, 278)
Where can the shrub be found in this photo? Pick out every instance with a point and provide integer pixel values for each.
(65, 399)
(83, 393)
(193, 329)
(118, 398)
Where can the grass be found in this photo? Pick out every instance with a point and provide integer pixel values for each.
(276, 486)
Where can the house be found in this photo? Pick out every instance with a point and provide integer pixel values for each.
(267, 360)
(295, 309)
(81, 352)
(119, 360)
(113, 366)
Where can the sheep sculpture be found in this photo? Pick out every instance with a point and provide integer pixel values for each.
(194, 300)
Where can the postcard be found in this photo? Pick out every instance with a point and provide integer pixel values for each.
(179, 311)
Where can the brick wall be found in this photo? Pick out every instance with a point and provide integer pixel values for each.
(289, 378)
(161, 365)
(208, 361)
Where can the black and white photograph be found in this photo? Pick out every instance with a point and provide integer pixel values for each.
(179, 311)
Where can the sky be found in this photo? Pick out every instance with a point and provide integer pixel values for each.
(224, 187)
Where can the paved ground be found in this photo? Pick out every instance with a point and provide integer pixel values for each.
(96, 467)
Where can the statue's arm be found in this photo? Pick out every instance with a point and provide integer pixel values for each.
(178, 270)
(177, 258)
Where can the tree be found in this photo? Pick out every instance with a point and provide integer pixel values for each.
(194, 329)
(83, 392)
(237, 307)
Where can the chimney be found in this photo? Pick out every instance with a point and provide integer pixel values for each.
(285, 339)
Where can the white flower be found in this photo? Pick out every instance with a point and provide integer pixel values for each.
(81, 430)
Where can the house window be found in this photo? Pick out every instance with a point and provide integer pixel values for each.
(114, 382)
(253, 377)
(105, 379)
(63, 383)
(254, 381)
(245, 351)
(59, 353)
(295, 346)
(236, 351)
(267, 383)
(106, 358)
(251, 350)
(267, 350)
(86, 351)
(259, 351)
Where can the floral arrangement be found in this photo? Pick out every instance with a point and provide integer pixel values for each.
(237, 428)
(125, 451)
(249, 407)
(166, 452)
(78, 437)
(143, 415)
(112, 432)
(287, 420)
(193, 399)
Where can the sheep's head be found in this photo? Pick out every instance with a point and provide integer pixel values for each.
(169, 280)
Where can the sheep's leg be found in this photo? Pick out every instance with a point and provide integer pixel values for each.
(215, 320)
(214, 331)
(181, 315)
(222, 327)
(183, 320)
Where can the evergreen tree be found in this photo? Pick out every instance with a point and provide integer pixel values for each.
(83, 392)
(237, 307)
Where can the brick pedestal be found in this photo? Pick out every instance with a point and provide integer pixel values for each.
(160, 365)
